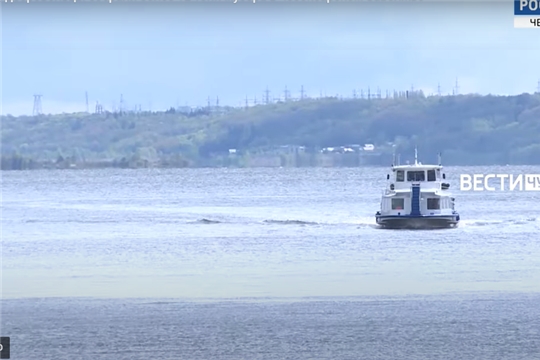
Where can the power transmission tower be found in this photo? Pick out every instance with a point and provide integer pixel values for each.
(286, 94)
(217, 101)
(99, 108)
(37, 105)
(457, 87)
(86, 95)
(369, 93)
(247, 102)
(538, 87)
(267, 96)
(302, 93)
(208, 105)
(439, 89)
(354, 94)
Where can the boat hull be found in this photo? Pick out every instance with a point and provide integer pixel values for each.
(417, 221)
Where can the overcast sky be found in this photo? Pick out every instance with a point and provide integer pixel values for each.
(163, 54)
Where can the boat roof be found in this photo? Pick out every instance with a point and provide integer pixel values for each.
(418, 166)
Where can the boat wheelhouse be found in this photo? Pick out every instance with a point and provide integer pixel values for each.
(417, 197)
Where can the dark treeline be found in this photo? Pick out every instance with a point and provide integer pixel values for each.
(468, 129)
(18, 162)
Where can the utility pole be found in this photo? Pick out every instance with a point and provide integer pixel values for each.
(37, 105)
(121, 103)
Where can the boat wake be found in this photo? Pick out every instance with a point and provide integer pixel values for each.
(291, 222)
(361, 223)
(206, 221)
(498, 222)
(283, 222)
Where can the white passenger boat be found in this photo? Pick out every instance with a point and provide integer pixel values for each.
(417, 197)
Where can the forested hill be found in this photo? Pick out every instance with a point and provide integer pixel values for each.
(468, 129)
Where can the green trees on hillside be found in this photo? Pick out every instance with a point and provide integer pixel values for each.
(468, 129)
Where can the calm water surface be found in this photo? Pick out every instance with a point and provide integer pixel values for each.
(297, 249)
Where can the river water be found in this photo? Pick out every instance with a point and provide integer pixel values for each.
(261, 263)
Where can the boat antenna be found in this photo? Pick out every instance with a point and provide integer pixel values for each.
(393, 155)
(399, 159)
(415, 156)
(440, 159)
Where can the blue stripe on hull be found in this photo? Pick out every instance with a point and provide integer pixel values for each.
(415, 200)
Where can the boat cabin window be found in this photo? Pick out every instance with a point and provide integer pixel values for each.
(398, 204)
(416, 176)
(400, 175)
(431, 175)
(433, 204)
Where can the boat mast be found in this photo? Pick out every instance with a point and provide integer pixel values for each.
(415, 156)
(440, 160)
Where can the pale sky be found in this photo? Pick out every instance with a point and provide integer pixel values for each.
(164, 54)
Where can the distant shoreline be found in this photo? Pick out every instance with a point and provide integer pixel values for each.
(115, 165)
(18, 162)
